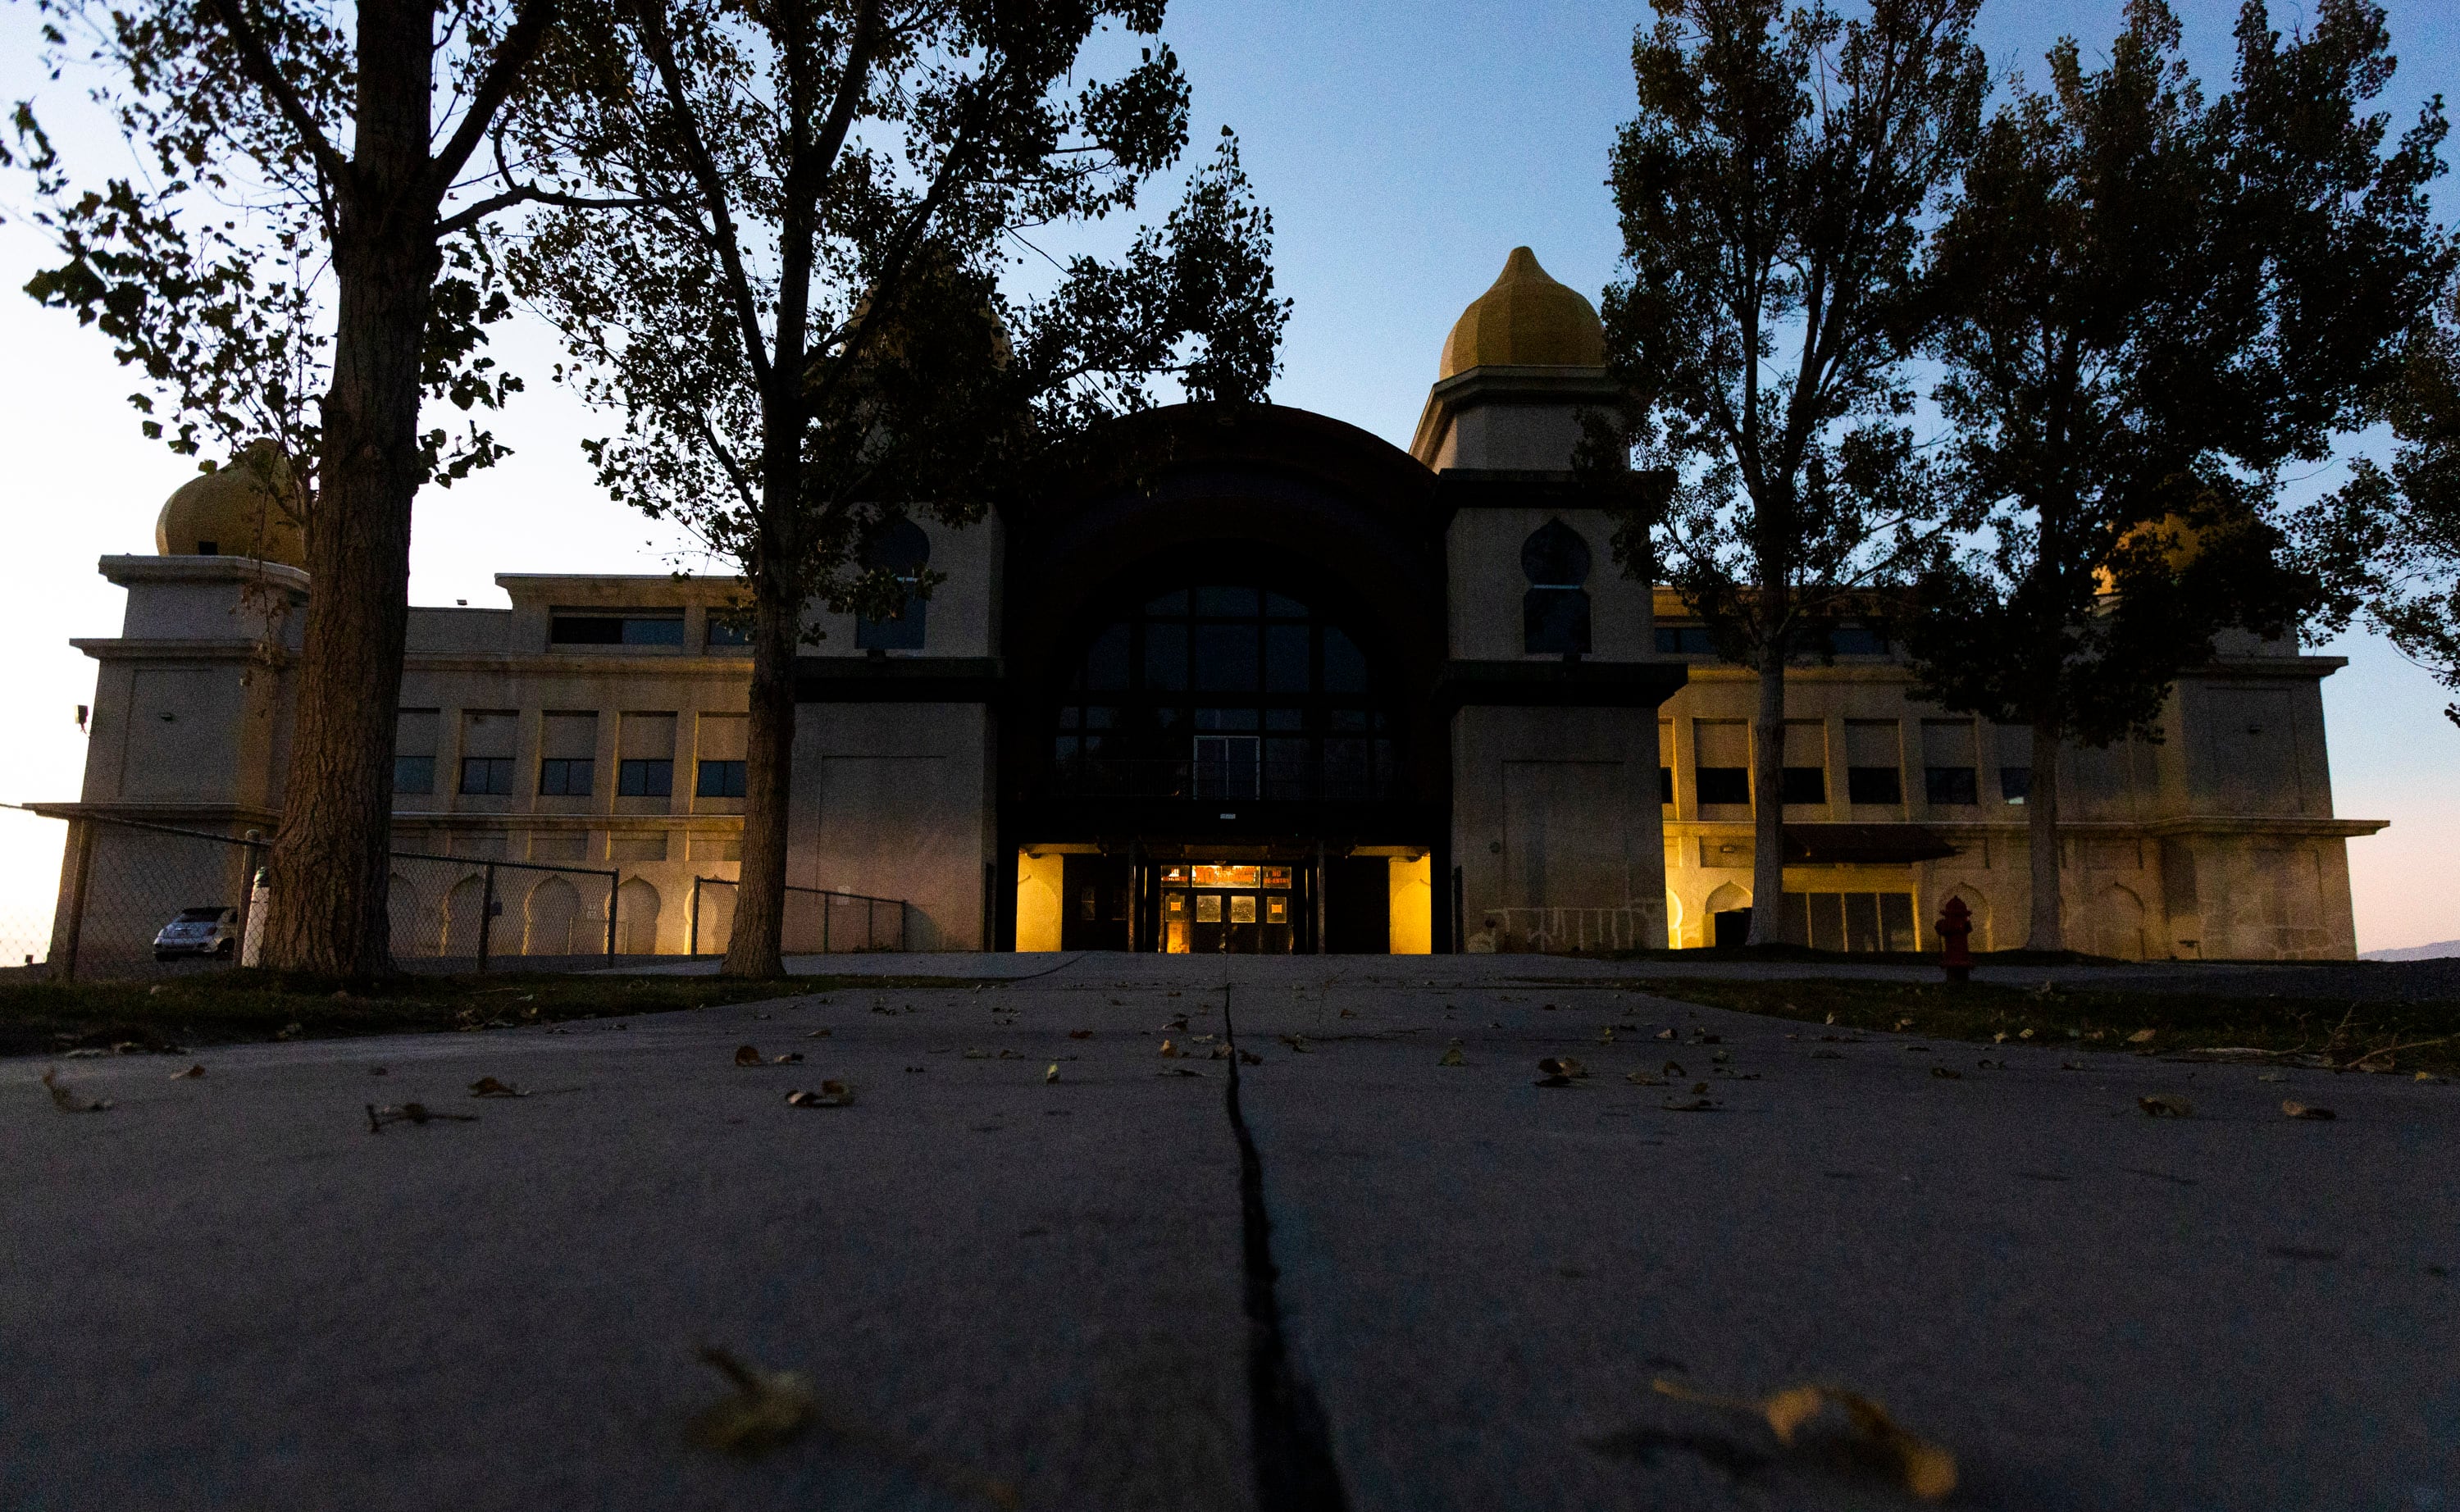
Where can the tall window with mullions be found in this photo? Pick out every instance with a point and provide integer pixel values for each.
(1224, 692)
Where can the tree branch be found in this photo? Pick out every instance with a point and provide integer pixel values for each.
(532, 194)
(520, 44)
(660, 47)
(264, 73)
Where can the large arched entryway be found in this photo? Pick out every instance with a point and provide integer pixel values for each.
(1220, 736)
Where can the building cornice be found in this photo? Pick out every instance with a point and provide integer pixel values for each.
(1503, 384)
(129, 649)
(583, 665)
(124, 571)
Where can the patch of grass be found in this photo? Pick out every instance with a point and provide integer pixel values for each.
(2400, 1035)
(237, 1006)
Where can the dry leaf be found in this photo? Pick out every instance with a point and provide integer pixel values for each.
(818, 1033)
(1699, 1087)
(2024, 1034)
(1998, 1038)
(1675, 1068)
(1666, 1034)
(1296, 1042)
(1452, 1056)
(1688, 1105)
(1052, 1075)
(68, 1101)
(2164, 1105)
(1904, 1023)
(748, 1056)
(2274, 1075)
(1220, 1053)
(2300, 1110)
(1562, 1066)
(490, 1087)
(1945, 1075)
(1922, 1467)
(1080, 1034)
(788, 1058)
(766, 1408)
(1248, 1057)
(1169, 1050)
(1605, 1035)
(1642, 1079)
(1175, 1071)
(2140, 1036)
(1829, 1019)
(192, 1070)
(413, 1113)
(832, 1093)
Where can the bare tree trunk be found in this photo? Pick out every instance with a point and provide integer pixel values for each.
(755, 949)
(328, 867)
(1768, 806)
(2042, 827)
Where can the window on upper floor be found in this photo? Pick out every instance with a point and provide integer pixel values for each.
(897, 545)
(1951, 785)
(487, 777)
(1805, 784)
(727, 630)
(2015, 783)
(566, 777)
(1555, 610)
(645, 776)
(1723, 784)
(719, 779)
(597, 626)
(413, 750)
(1685, 640)
(1874, 784)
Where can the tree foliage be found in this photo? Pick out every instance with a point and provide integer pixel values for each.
(804, 323)
(1772, 191)
(2153, 303)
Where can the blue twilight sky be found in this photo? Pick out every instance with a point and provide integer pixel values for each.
(1404, 149)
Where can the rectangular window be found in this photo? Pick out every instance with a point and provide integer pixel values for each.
(1856, 640)
(1873, 784)
(1723, 784)
(719, 779)
(595, 627)
(1227, 766)
(1685, 640)
(645, 777)
(2015, 749)
(413, 750)
(564, 776)
(1805, 784)
(1664, 785)
(725, 631)
(487, 777)
(1950, 785)
(2015, 783)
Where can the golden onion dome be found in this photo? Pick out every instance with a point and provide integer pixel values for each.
(1527, 320)
(246, 508)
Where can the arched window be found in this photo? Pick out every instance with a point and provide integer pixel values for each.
(1223, 691)
(899, 545)
(1555, 612)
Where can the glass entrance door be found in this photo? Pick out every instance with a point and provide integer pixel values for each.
(1227, 909)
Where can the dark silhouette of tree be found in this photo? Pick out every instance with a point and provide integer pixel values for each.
(299, 257)
(2155, 304)
(803, 322)
(1771, 192)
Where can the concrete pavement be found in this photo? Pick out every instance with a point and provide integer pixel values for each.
(225, 1292)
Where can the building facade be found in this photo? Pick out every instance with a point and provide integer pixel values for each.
(1252, 680)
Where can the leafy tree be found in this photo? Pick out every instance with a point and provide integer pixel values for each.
(2157, 303)
(297, 257)
(802, 323)
(1770, 193)
(2388, 542)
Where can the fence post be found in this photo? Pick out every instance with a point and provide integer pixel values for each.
(65, 968)
(871, 923)
(828, 906)
(1460, 917)
(486, 915)
(691, 941)
(614, 893)
(902, 909)
(246, 895)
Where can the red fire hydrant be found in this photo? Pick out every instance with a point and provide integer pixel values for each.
(1955, 925)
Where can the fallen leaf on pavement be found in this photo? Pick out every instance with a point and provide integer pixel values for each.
(1666, 1034)
(490, 1087)
(1605, 1035)
(1990, 1065)
(1920, 1468)
(1220, 1053)
(818, 1033)
(1642, 1079)
(832, 1093)
(1998, 1038)
(69, 1102)
(1945, 1075)
(788, 1058)
(1169, 1050)
(1452, 1056)
(192, 1070)
(1688, 1105)
(1080, 1034)
(748, 1056)
(1699, 1087)
(2300, 1110)
(2164, 1105)
(2024, 1034)
(1176, 1071)
(1248, 1057)
(2140, 1036)
(413, 1113)
(1052, 1075)
(1675, 1068)
(1904, 1023)
(766, 1409)
(1562, 1066)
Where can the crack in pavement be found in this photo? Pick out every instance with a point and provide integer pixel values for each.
(1293, 1452)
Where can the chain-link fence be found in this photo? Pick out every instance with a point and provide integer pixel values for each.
(140, 900)
(817, 922)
